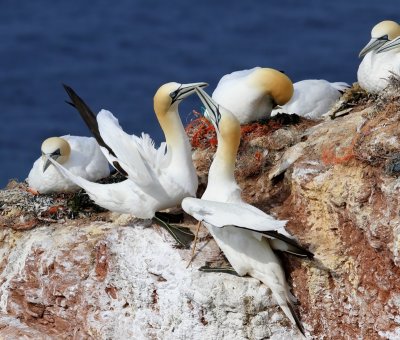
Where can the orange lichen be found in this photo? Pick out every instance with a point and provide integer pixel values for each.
(329, 155)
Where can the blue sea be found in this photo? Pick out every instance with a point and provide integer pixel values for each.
(116, 54)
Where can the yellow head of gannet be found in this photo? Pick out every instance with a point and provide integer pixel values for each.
(381, 33)
(80, 155)
(251, 94)
(56, 148)
(166, 101)
(272, 83)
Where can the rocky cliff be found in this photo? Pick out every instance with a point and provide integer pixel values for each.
(71, 270)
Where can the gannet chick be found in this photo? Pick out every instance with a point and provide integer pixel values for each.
(252, 94)
(376, 68)
(244, 233)
(80, 155)
(312, 98)
(157, 179)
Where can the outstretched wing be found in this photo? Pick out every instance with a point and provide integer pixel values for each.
(125, 148)
(90, 119)
(221, 214)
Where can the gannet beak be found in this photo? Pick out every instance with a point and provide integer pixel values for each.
(212, 112)
(185, 90)
(373, 44)
(389, 46)
(54, 155)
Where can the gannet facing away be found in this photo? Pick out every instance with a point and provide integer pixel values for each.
(252, 94)
(375, 69)
(80, 155)
(244, 233)
(312, 98)
(157, 179)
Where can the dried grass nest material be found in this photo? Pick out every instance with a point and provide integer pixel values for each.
(20, 209)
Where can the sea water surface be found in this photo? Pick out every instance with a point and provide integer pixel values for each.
(116, 54)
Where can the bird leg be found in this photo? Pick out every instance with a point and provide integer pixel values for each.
(194, 244)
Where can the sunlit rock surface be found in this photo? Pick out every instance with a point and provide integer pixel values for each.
(71, 270)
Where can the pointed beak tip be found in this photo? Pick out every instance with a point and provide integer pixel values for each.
(46, 165)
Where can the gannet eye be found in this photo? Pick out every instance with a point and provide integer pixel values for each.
(173, 94)
(385, 37)
(57, 152)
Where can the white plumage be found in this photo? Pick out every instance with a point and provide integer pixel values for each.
(84, 159)
(157, 178)
(376, 68)
(251, 94)
(237, 226)
(312, 98)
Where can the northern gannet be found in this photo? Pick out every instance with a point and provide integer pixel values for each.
(312, 98)
(252, 94)
(157, 179)
(80, 155)
(376, 68)
(244, 233)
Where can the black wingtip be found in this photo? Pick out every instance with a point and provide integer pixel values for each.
(70, 103)
(300, 251)
(90, 119)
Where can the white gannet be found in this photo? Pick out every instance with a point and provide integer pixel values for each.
(157, 179)
(312, 98)
(375, 69)
(238, 227)
(251, 94)
(80, 155)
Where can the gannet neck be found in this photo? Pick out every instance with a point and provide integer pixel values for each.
(272, 83)
(221, 174)
(172, 127)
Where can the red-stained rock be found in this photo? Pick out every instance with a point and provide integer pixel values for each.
(77, 272)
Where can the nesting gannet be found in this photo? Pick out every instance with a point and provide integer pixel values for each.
(312, 98)
(251, 94)
(376, 68)
(157, 179)
(80, 155)
(238, 227)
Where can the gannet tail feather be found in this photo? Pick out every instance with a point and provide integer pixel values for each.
(90, 119)
(295, 317)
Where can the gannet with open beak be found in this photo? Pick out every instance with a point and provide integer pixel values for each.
(312, 98)
(252, 94)
(157, 179)
(376, 68)
(244, 233)
(80, 155)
